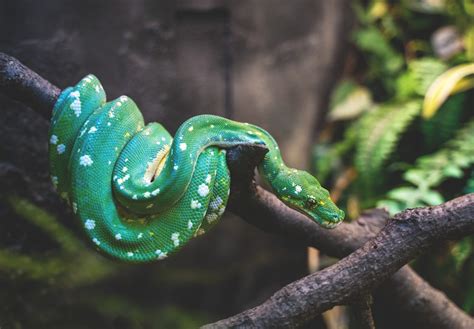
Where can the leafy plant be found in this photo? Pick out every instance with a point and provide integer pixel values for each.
(402, 119)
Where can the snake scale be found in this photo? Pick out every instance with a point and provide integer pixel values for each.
(140, 194)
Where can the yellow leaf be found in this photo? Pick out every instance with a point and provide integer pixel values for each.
(450, 82)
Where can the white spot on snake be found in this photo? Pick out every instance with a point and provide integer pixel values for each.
(161, 254)
(158, 143)
(211, 218)
(203, 190)
(124, 169)
(208, 179)
(118, 236)
(118, 104)
(55, 180)
(97, 89)
(190, 225)
(130, 254)
(110, 162)
(175, 238)
(212, 126)
(85, 160)
(74, 207)
(212, 152)
(89, 224)
(61, 148)
(54, 139)
(149, 206)
(111, 114)
(298, 189)
(83, 131)
(76, 106)
(140, 235)
(134, 197)
(183, 146)
(155, 192)
(216, 203)
(109, 124)
(163, 139)
(96, 241)
(191, 128)
(175, 167)
(123, 98)
(92, 130)
(195, 204)
(146, 194)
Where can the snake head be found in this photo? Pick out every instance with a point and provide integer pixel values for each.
(302, 192)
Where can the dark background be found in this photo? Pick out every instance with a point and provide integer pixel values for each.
(272, 63)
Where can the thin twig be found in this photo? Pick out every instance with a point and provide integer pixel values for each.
(362, 308)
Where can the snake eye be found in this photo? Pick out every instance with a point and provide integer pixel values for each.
(310, 203)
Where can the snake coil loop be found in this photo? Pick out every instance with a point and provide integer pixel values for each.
(139, 193)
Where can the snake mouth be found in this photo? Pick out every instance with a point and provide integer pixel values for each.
(325, 223)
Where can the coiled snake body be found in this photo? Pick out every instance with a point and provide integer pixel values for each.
(140, 194)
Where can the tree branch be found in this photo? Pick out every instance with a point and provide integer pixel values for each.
(409, 234)
(24, 85)
(265, 211)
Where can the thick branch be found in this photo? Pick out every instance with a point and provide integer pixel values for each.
(408, 235)
(411, 295)
(22, 84)
(264, 210)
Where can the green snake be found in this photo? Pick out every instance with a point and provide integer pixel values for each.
(140, 194)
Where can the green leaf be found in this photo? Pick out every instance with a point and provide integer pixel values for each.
(461, 252)
(391, 206)
(349, 101)
(379, 133)
(414, 176)
(432, 198)
(452, 171)
(404, 194)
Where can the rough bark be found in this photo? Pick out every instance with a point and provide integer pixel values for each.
(406, 236)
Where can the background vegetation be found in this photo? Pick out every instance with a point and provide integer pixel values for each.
(398, 139)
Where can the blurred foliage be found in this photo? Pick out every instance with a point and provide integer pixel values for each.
(402, 119)
(69, 279)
